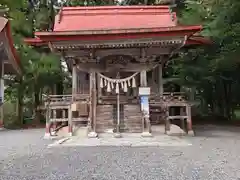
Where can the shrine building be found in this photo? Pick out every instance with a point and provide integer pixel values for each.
(116, 56)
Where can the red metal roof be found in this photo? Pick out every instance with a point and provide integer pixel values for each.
(6, 29)
(113, 22)
(114, 18)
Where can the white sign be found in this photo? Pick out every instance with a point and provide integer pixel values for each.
(144, 91)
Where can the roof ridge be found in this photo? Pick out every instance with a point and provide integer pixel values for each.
(114, 10)
(114, 7)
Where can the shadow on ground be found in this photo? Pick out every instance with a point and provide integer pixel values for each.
(215, 131)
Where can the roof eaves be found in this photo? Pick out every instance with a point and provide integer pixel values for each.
(120, 31)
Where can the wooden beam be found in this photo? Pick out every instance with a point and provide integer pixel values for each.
(120, 43)
(130, 67)
(134, 52)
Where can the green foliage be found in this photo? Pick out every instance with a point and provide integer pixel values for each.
(41, 69)
(213, 71)
(10, 116)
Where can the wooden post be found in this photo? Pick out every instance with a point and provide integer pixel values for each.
(189, 121)
(48, 116)
(2, 93)
(94, 100)
(167, 121)
(143, 83)
(143, 78)
(74, 81)
(160, 80)
(74, 92)
(146, 128)
(54, 123)
(99, 89)
(90, 103)
(93, 105)
(70, 128)
(118, 116)
(153, 80)
(183, 119)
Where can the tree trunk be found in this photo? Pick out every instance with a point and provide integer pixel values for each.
(37, 114)
(20, 102)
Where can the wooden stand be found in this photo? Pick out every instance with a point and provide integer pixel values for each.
(145, 118)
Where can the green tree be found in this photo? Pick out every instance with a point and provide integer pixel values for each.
(213, 71)
(40, 67)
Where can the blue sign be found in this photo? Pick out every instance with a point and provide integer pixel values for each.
(144, 104)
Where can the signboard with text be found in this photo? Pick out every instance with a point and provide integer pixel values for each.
(144, 91)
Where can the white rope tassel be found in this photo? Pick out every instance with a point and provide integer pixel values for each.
(104, 82)
(125, 87)
(133, 82)
(101, 83)
(117, 88)
(112, 85)
(129, 83)
(108, 87)
(122, 85)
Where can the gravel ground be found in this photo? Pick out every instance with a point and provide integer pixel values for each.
(213, 155)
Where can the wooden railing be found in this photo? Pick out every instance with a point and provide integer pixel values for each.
(66, 99)
(60, 106)
(112, 99)
(163, 103)
(171, 97)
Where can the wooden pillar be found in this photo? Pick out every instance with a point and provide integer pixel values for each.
(160, 79)
(81, 82)
(64, 113)
(153, 85)
(94, 100)
(146, 123)
(74, 92)
(167, 121)
(143, 78)
(189, 121)
(143, 83)
(99, 89)
(2, 93)
(183, 119)
(74, 81)
(93, 105)
(90, 103)
(48, 116)
(54, 123)
(70, 126)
